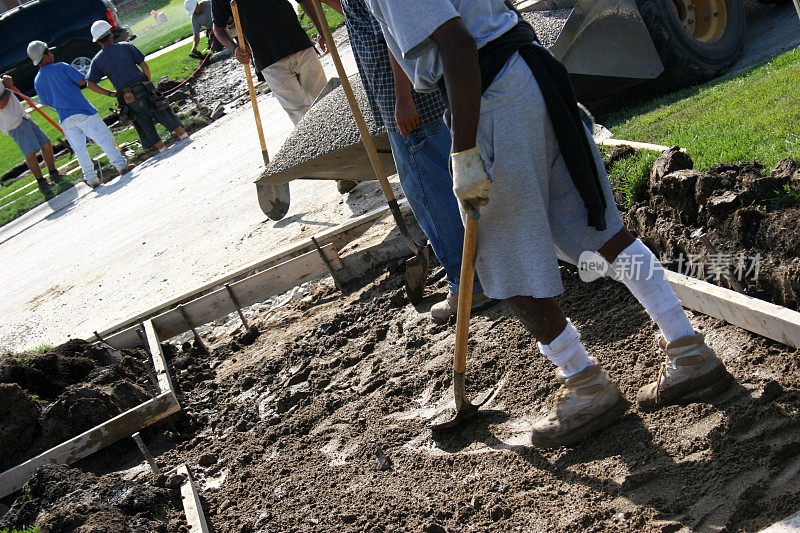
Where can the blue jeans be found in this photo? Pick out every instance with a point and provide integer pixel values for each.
(422, 165)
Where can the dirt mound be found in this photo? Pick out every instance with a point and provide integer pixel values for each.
(59, 498)
(47, 398)
(751, 218)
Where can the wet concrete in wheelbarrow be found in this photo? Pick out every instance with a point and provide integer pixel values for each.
(319, 425)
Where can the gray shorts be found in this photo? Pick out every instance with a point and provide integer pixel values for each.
(29, 136)
(534, 210)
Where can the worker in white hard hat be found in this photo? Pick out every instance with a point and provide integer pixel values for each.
(59, 86)
(125, 67)
(200, 13)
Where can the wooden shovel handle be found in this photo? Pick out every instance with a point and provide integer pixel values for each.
(369, 145)
(465, 284)
(250, 86)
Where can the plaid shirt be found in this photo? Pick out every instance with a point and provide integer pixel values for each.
(372, 59)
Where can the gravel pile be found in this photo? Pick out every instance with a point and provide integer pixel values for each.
(548, 24)
(327, 127)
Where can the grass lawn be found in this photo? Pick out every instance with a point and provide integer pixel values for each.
(151, 36)
(335, 20)
(755, 115)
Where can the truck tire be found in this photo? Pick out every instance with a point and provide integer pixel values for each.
(692, 48)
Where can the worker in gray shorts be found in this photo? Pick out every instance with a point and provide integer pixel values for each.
(200, 13)
(30, 138)
(524, 162)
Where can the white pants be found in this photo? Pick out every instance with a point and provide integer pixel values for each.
(77, 128)
(296, 80)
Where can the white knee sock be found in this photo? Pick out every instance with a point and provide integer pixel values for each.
(643, 274)
(567, 352)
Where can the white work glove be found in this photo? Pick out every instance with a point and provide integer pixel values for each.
(471, 181)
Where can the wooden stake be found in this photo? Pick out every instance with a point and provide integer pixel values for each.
(192, 505)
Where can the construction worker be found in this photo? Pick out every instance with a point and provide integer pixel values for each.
(59, 86)
(125, 67)
(30, 138)
(282, 51)
(200, 13)
(420, 144)
(524, 162)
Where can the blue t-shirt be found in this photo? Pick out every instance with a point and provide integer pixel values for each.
(120, 62)
(57, 87)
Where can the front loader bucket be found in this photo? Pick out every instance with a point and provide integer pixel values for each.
(607, 38)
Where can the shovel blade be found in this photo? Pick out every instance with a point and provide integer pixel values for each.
(273, 199)
(463, 409)
(417, 274)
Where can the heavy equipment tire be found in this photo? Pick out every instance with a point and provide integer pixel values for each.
(694, 50)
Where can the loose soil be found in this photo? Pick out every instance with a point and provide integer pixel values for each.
(47, 398)
(319, 425)
(751, 217)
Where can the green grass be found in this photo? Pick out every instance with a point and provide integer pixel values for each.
(151, 36)
(631, 176)
(29, 529)
(335, 20)
(755, 115)
(43, 348)
(783, 198)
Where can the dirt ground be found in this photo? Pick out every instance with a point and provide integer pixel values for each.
(320, 425)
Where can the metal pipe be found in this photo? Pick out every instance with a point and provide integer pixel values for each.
(197, 338)
(328, 265)
(146, 453)
(238, 307)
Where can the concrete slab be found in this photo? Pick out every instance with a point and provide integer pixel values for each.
(182, 218)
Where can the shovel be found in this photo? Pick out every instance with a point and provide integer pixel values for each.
(417, 266)
(273, 199)
(463, 408)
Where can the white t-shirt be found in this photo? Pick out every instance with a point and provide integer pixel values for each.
(408, 25)
(11, 115)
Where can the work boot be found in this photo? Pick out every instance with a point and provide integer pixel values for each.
(441, 312)
(690, 365)
(55, 176)
(345, 186)
(128, 167)
(586, 402)
(43, 184)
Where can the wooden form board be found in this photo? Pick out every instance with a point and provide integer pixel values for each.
(248, 291)
(349, 163)
(121, 426)
(763, 318)
(157, 355)
(341, 231)
(634, 144)
(192, 505)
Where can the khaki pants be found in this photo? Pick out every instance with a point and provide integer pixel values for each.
(296, 80)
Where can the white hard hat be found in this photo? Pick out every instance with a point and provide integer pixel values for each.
(100, 29)
(190, 6)
(36, 50)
